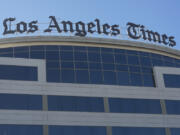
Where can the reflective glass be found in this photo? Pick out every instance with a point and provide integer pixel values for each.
(10, 72)
(53, 75)
(21, 130)
(107, 63)
(66, 56)
(109, 77)
(123, 78)
(133, 60)
(172, 81)
(67, 76)
(135, 106)
(76, 130)
(137, 131)
(173, 106)
(82, 76)
(70, 103)
(175, 131)
(20, 102)
(96, 77)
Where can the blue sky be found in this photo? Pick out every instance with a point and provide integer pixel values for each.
(162, 16)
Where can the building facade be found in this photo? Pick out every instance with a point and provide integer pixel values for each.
(75, 86)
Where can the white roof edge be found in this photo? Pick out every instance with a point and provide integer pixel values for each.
(117, 42)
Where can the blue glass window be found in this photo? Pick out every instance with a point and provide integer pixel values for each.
(96, 77)
(82, 76)
(123, 78)
(120, 59)
(67, 65)
(145, 61)
(172, 81)
(80, 48)
(52, 55)
(20, 130)
(148, 80)
(66, 56)
(37, 54)
(137, 131)
(11, 72)
(106, 50)
(66, 48)
(173, 106)
(156, 62)
(80, 56)
(63, 57)
(108, 66)
(94, 49)
(107, 58)
(20, 102)
(109, 77)
(135, 105)
(76, 130)
(52, 47)
(70, 103)
(53, 75)
(134, 69)
(95, 66)
(67, 76)
(136, 79)
(133, 60)
(94, 57)
(175, 131)
(81, 65)
(52, 64)
(21, 54)
(121, 67)
(37, 48)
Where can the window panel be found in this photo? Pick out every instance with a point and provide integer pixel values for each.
(171, 81)
(80, 48)
(109, 77)
(53, 75)
(37, 54)
(20, 102)
(70, 103)
(123, 78)
(135, 79)
(66, 48)
(67, 65)
(120, 59)
(82, 76)
(148, 81)
(52, 55)
(67, 76)
(81, 65)
(94, 57)
(76, 130)
(173, 106)
(121, 67)
(21, 130)
(145, 61)
(11, 72)
(133, 60)
(66, 56)
(96, 77)
(107, 58)
(95, 66)
(137, 131)
(135, 106)
(80, 56)
(175, 131)
(21, 54)
(108, 66)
